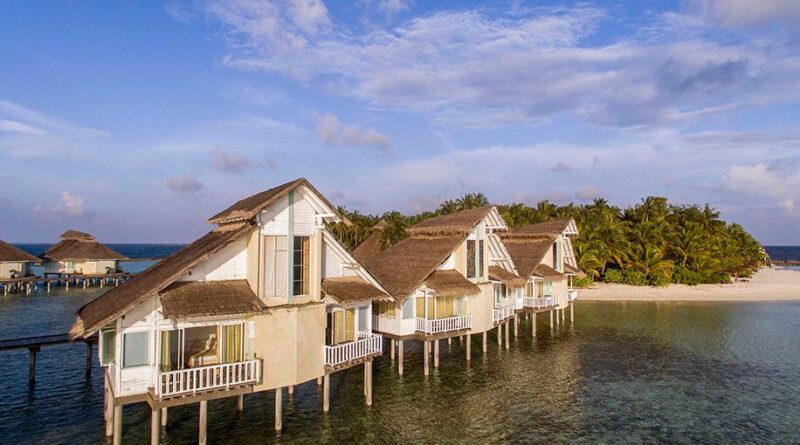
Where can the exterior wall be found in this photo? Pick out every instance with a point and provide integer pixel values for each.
(560, 293)
(85, 267)
(22, 269)
(481, 307)
(230, 263)
(290, 340)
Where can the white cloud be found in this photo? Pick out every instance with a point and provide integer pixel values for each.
(187, 184)
(335, 133)
(751, 12)
(70, 205)
(587, 193)
(543, 63)
(229, 162)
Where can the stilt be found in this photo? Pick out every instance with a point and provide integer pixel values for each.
(291, 390)
(533, 325)
(278, 409)
(67, 284)
(201, 430)
(436, 354)
(400, 357)
(572, 313)
(326, 393)
(32, 365)
(368, 381)
(393, 346)
(551, 319)
(508, 340)
(469, 347)
(155, 426)
(449, 341)
(499, 334)
(163, 417)
(108, 407)
(88, 358)
(117, 436)
(48, 287)
(516, 326)
(426, 353)
(485, 334)
(240, 403)
(319, 381)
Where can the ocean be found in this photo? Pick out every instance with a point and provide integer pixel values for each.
(783, 253)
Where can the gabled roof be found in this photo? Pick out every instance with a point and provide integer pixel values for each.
(119, 300)
(248, 208)
(371, 246)
(553, 227)
(11, 253)
(450, 283)
(545, 271)
(75, 245)
(190, 299)
(352, 289)
(508, 278)
(572, 270)
(527, 253)
(405, 266)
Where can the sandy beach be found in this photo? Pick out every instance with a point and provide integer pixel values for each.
(775, 284)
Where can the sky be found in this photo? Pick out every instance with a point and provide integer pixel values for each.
(138, 120)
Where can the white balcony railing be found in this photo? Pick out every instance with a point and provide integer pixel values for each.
(207, 378)
(572, 294)
(538, 303)
(503, 312)
(438, 325)
(367, 344)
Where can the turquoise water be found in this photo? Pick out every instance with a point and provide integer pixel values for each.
(624, 373)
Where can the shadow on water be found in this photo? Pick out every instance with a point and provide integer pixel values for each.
(624, 373)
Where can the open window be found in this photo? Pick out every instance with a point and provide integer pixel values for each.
(341, 326)
(201, 346)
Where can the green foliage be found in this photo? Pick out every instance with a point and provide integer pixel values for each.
(582, 281)
(651, 243)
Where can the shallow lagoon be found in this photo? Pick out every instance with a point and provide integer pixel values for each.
(625, 372)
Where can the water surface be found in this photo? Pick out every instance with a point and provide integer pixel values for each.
(624, 373)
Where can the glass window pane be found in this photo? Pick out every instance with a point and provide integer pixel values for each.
(363, 313)
(408, 309)
(108, 346)
(135, 349)
(470, 258)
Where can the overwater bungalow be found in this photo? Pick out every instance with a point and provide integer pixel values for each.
(543, 256)
(267, 300)
(78, 256)
(15, 268)
(439, 279)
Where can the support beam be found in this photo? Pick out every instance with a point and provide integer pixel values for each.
(469, 347)
(163, 417)
(572, 312)
(533, 325)
(117, 435)
(326, 393)
(108, 407)
(368, 381)
(32, 364)
(485, 334)
(436, 354)
(291, 390)
(393, 346)
(155, 426)
(499, 334)
(240, 403)
(278, 409)
(508, 340)
(201, 428)
(516, 326)
(426, 356)
(400, 357)
(551, 319)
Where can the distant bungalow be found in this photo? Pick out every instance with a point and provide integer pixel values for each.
(15, 268)
(78, 255)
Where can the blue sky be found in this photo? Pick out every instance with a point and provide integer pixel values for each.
(137, 120)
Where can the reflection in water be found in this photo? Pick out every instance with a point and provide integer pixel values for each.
(625, 372)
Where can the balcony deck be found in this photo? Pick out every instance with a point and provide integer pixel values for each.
(351, 353)
(193, 381)
(442, 325)
(546, 302)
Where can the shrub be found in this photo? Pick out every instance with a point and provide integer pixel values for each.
(582, 282)
(684, 275)
(634, 277)
(660, 280)
(613, 276)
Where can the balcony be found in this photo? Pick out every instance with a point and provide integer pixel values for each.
(439, 325)
(385, 324)
(538, 303)
(503, 312)
(572, 295)
(192, 381)
(366, 345)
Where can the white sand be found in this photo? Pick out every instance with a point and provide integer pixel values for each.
(779, 283)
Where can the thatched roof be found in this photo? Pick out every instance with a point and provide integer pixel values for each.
(571, 270)
(119, 300)
(506, 277)
(458, 223)
(527, 253)
(551, 228)
(75, 245)
(545, 271)
(450, 283)
(247, 208)
(372, 245)
(13, 254)
(351, 290)
(188, 299)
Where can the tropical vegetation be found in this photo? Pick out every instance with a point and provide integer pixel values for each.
(651, 243)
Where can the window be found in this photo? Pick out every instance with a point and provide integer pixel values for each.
(499, 292)
(108, 345)
(341, 326)
(470, 258)
(385, 308)
(530, 289)
(548, 288)
(135, 349)
(363, 313)
(301, 265)
(480, 258)
(276, 264)
(408, 309)
(539, 289)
